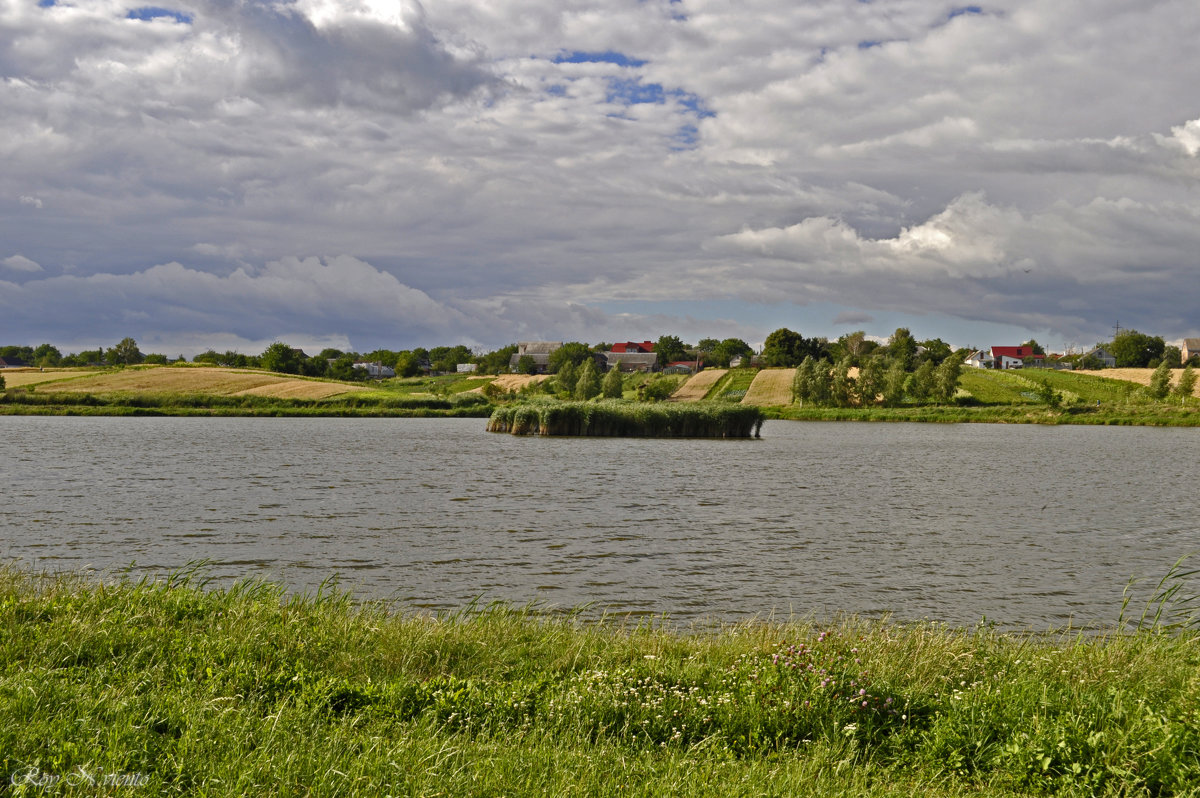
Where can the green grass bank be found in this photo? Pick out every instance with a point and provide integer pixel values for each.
(19, 402)
(171, 687)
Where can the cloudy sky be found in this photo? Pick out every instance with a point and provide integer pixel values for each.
(366, 173)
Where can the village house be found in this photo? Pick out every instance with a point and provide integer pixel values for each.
(1106, 358)
(375, 370)
(631, 361)
(1014, 357)
(539, 351)
(645, 347)
(682, 367)
(979, 359)
(1190, 349)
(629, 356)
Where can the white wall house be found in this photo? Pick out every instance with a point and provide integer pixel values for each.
(376, 370)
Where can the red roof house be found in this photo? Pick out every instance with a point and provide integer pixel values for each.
(645, 347)
(1013, 357)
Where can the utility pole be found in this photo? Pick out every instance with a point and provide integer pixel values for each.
(1116, 329)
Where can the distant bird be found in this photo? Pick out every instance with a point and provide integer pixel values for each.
(1027, 271)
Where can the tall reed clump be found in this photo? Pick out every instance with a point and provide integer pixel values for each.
(626, 419)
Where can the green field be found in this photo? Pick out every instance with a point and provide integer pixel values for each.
(182, 689)
(733, 386)
(1019, 387)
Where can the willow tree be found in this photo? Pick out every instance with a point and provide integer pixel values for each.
(1183, 389)
(613, 384)
(1160, 381)
(587, 384)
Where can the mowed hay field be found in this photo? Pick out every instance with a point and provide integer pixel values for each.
(698, 385)
(511, 382)
(23, 378)
(770, 387)
(1140, 376)
(204, 380)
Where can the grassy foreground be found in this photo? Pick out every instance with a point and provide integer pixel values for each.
(168, 687)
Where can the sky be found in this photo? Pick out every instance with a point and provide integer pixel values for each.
(388, 173)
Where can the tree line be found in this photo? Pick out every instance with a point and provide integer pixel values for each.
(782, 348)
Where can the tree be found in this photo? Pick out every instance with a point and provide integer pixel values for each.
(447, 358)
(567, 377)
(786, 348)
(1160, 381)
(1048, 395)
(659, 389)
(802, 383)
(46, 355)
(613, 385)
(315, 366)
(155, 359)
(945, 379)
(919, 384)
(822, 384)
(587, 384)
(572, 352)
(281, 358)
(893, 385)
(669, 349)
(1034, 346)
(936, 350)
(853, 343)
(724, 352)
(1, 382)
(841, 386)
(342, 368)
(1132, 349)
(407, 364)
(870, 380)
(126, 353)
(1187, 383)
(902, 348)
(496, 362)
(526, 365)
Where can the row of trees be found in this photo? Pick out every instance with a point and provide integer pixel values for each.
(124, 353)
(785, 348)
(782, 348)
(880, 379)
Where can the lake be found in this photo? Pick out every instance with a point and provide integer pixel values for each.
(1027, 526)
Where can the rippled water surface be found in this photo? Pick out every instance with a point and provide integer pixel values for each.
(1027, 526)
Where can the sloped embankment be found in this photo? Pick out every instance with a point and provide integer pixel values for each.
(698, 385)
(771, 387)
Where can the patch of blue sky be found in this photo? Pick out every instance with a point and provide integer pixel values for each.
(634, 92)
(693, 103)
(867, 44)
(46, 3)
(958, 12)
(147, 13)
(606, 57)
(557, 90)
(685, 138)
